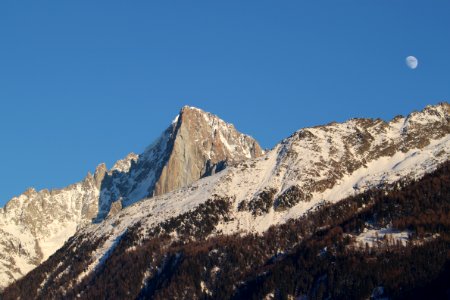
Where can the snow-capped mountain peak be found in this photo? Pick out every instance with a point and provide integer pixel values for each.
(36, 223)
(313, 166)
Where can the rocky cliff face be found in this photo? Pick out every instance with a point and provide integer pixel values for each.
(202, 145)
(35, 224)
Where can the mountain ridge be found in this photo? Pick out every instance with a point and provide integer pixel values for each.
(313, 167)
(310, 168)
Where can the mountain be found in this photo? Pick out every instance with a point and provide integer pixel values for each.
(222, 234)
(195, 145)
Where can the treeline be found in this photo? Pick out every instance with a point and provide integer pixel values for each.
(314, 256)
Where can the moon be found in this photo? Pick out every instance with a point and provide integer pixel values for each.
(412, 62)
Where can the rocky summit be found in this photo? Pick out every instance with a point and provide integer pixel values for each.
(195, 145)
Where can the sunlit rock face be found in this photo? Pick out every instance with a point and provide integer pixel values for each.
(202, 145)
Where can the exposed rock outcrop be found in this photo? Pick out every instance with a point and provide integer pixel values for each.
(203, 144)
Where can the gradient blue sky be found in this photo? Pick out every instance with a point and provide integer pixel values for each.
(85, 82)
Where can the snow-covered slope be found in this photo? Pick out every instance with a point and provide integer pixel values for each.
(35, 224)
(324, 163)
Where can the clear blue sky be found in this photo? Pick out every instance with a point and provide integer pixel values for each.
(85, 82)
